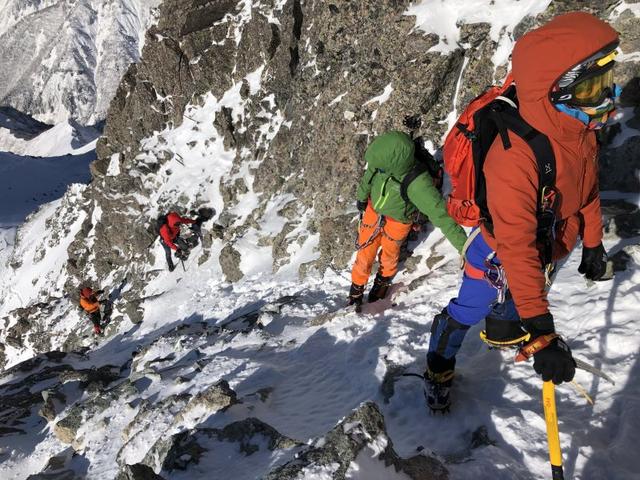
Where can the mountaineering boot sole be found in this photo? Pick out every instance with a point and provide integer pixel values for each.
(437, 401)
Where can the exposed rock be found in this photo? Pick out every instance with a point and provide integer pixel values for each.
(67, 428)
(54, 403)
(480, 438)
(230, 263)
(138, 471)
(59, 468)
(181, 450)
(244, 432)
(621, 218)
(348, 439)
(619, 167)
(214, 398)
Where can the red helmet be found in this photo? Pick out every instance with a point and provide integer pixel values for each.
(86, 292)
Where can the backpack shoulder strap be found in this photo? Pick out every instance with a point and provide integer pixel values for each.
(546, 161)
(539, 144)
(418, 169)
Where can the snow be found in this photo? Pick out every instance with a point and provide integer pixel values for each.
(383, 97)
(61, 139)
(254, 80)
(317, 373)
(623, 7)
(453, 114)
(338, 99)
(444, 18)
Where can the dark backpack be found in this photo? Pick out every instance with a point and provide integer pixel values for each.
(424, 163)
(160, 221)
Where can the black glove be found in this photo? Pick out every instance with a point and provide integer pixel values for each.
(361, 205)
(594, 262)
(554, 362)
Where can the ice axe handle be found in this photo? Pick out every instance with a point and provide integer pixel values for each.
(553, 436)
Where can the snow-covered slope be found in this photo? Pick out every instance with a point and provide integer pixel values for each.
(300, 368)
(78, 52)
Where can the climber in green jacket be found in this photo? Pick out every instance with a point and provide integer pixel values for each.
(394, 189)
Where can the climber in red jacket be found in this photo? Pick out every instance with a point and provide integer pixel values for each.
(171, 240)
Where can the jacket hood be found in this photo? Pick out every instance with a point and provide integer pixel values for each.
(172, 219)
(391, 152)
(542, 55)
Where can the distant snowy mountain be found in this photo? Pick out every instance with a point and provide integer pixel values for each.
(22, 135)
(78, 51)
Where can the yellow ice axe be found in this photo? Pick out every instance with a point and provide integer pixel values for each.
(553, 436)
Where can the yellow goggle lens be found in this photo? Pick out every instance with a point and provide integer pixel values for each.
(591, 88)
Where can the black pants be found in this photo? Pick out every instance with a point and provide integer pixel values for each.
(95, 318)
(167, 253)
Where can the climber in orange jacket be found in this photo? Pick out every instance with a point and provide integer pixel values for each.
(91, 305)
(563, 73)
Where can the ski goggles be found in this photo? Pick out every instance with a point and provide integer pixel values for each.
(590, 83)
(595, 89)
(588, 90)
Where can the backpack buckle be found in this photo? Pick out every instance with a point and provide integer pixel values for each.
(547, 197)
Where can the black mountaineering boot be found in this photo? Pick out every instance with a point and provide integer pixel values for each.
(356, 292)
(379, 289)
(437, 382)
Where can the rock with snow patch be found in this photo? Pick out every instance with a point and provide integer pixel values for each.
(340, 448)
(209, 401)
(184, 450)
(137, 471)
(230, 264)
(54, 403)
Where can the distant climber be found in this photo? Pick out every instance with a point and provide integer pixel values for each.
(181, 234)
(91, 305)
(395, 189)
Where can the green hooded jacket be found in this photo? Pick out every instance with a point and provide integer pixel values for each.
(389, 158)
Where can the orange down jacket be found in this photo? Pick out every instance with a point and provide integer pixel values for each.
(89, 305)
(539, 58)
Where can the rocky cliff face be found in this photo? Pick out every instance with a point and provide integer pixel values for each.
(261, 110)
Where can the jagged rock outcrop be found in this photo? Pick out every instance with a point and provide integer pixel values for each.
(361, 431)
(183, 451)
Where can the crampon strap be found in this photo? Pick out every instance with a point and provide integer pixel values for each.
(533, 347)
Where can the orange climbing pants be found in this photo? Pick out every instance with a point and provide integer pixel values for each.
(374, 235)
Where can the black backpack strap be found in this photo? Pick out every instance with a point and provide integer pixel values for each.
(539, 144)
(418, 169)
(546, 161)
